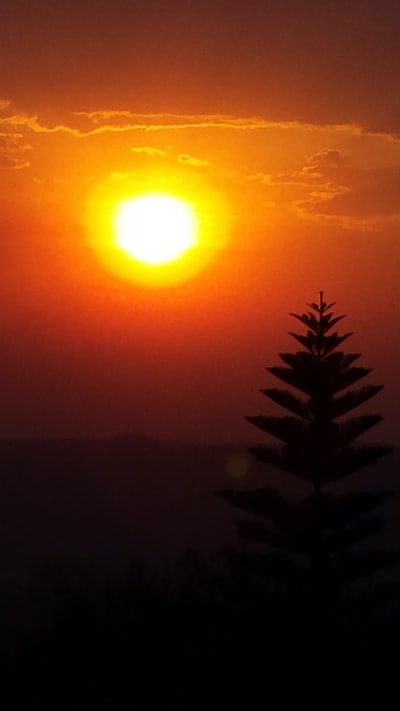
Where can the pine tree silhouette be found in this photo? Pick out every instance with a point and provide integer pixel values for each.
(307, 544)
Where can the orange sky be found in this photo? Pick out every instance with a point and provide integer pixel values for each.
(287, 115)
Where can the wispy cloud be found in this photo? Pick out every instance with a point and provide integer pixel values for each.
(12, 151)
(336, 172)
(187, 159)
(329, 188)
(370, 194)
(150, 151)
(182, 158)
(117, 121)
(323, 161)
(12, 162)
(347, 194)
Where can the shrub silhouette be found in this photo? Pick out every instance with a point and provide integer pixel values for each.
(304, 552)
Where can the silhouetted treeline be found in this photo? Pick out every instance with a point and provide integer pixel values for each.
(198, 635)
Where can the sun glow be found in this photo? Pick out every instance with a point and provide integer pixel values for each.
(155, 228)
(157, 237)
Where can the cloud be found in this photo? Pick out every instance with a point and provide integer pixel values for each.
(338, 189)
(324, 161)
(150, 151)
(308, 183)
(338, 172)
(12, 141)
(372, 193)
(12, 151)
(328, 186)
(183, 158)
(186, 159)
(13, 162)
(121, 121)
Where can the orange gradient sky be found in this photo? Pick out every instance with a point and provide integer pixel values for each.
(281, 122)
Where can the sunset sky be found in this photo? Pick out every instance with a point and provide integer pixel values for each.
(278, 121)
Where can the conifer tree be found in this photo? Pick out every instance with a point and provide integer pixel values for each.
(307, 546)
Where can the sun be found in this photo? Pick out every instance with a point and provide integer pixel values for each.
(158, 236)
(155, 228)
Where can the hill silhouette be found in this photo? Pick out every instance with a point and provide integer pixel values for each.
(103, 502)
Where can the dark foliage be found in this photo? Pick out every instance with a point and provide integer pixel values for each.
(197, 638)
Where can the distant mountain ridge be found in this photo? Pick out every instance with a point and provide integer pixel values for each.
(103, 502)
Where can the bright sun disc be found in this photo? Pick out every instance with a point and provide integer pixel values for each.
(155, 229)
(160, 237)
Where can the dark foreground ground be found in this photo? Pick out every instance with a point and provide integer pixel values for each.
(114, 592)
